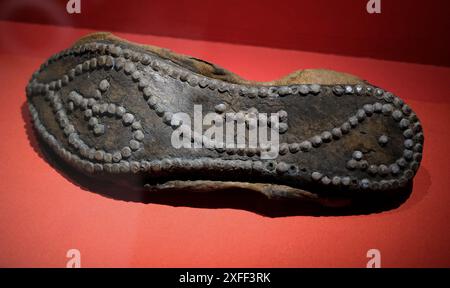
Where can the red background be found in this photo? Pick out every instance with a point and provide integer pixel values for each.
(43, 214)
(406, 30)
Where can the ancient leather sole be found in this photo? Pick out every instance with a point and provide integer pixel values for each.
(105, 106)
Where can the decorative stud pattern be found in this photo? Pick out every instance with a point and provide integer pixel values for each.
(115, 57)
(93, 110)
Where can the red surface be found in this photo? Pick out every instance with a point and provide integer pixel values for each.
(406, 30)
(43, 214)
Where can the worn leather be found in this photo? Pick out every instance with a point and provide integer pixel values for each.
(105, 107)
